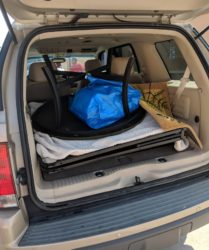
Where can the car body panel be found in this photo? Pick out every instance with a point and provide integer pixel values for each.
(40, 11)
(14, 222)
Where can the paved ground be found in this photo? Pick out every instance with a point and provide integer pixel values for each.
(197, 240)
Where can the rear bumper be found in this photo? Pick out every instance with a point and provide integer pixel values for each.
(172, 209)
(157, 238)
(12, 226)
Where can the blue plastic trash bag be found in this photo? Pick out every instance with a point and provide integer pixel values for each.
(100, 103)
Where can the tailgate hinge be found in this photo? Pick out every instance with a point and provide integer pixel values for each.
(22, 176)
(52, 18)
(165, 19)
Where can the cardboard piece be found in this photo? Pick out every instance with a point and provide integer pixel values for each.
(157, 103)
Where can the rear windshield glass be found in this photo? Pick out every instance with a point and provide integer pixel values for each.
(65, 62)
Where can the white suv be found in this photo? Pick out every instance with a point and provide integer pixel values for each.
(147, 192)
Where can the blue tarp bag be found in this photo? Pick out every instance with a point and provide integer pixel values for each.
(100, 103)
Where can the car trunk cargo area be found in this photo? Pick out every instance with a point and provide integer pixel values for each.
(134, 161)
(116, 156)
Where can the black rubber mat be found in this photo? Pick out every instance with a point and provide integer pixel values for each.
(131, 210)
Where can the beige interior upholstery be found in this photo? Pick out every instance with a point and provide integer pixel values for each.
(38, 88)
(36, 73)
(118, 65)
(188, 106)
(92, 65)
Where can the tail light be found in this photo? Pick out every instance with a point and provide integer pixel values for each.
(7, 188)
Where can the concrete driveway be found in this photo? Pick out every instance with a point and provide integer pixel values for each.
(197, 240)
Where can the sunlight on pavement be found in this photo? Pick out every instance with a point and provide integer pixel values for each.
(199, 239)
(196, 240)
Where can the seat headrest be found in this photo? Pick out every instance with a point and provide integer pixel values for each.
(36, 73)
(92, 65)
(118, 65)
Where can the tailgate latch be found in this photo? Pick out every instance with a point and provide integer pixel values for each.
(22, 176)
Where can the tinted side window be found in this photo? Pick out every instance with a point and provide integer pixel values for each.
(172, 58)
(126, 51)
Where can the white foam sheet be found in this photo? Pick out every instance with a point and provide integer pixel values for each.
(52, 149)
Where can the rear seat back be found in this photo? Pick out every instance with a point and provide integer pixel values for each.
(118, 67)
(92, 65)
(38, 88)
(36, 73)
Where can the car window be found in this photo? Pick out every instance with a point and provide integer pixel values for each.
(71, 61)
(173, 61)
(126, 51)
(103, 55)
(76, 61)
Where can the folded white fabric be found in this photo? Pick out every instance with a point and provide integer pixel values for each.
(52, 149)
